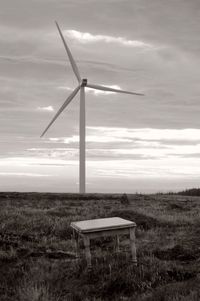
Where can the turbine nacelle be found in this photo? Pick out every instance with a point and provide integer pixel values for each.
(84, 82)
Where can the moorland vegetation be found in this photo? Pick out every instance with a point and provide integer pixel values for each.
(38, 260)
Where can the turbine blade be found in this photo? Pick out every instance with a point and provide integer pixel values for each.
(67, 101)
(103, 88)
(72, 61)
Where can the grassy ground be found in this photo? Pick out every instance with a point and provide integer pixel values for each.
(37, 251)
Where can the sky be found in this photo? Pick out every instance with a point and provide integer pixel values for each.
(134, 144)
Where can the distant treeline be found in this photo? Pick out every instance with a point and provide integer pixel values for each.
(190, 192)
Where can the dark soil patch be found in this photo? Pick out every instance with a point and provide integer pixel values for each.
(180, 275)
(4, 244)
(181, 206)
(60, 211)
(177, 253)
(40, 252)
(10, 237)
(141, 220)
(53, 254)
(167, 292)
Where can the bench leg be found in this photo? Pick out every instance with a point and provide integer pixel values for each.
(117, 243)
(133, 246)
(76, 240)
(87, 250)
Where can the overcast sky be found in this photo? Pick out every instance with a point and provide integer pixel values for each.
(134, 144)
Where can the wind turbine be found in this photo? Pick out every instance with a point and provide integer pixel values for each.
(82, 84)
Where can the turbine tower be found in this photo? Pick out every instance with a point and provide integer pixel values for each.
(82, 84)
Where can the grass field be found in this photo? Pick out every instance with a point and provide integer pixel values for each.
(37, 252)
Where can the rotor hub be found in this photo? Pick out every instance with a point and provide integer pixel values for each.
(84, 82)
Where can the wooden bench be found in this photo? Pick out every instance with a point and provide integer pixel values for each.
(113, 226)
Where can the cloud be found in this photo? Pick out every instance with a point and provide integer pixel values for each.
(85, 37)
(65, 88)
(30, 161)
(90, 138)
(137, 169)
(54, 153)
(150, 134)
(129, 144)
(22, 174)
(48, 109)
